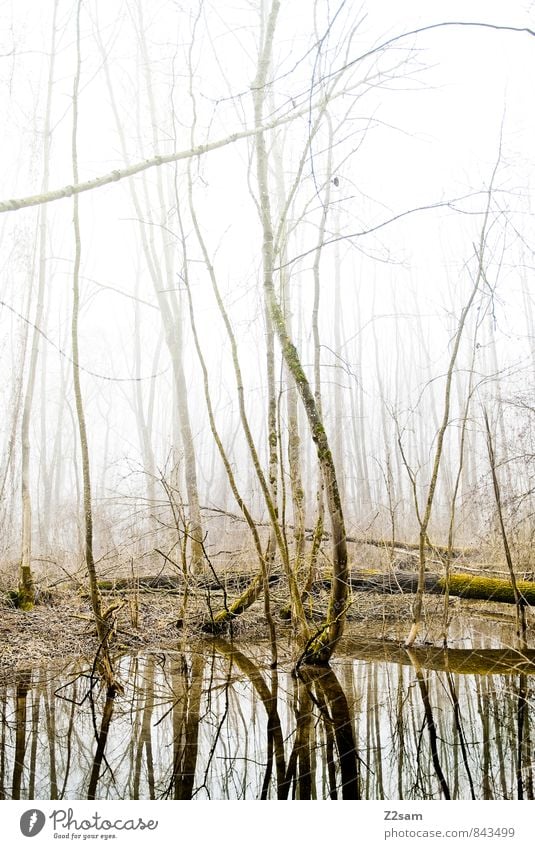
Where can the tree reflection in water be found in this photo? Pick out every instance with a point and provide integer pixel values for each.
(215, 722)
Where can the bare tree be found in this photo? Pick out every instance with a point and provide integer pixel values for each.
(424, 516)
(102, 621)
(26, 584)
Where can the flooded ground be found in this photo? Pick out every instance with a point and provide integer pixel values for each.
(215, 722)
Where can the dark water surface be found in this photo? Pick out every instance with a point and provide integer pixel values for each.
(216, 722)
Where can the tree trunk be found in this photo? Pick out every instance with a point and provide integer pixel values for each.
(320, 648)
(26, 595)
(96, 603)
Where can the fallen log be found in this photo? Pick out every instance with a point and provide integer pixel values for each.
(476, 587)
(462, 585)
(389, 544)
(175, 582)
(145, 582)
(400, 545)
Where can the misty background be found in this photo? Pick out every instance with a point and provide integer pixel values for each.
(395, 173)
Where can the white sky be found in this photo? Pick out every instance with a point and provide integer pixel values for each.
(435, 136)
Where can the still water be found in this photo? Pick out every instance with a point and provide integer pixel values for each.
(214, 722)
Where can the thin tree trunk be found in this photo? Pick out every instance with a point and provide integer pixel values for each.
(319, 648)
(26, 597)
(294, 440)
(174, 334)
(261, 583)
(520, 599)
(251, 593)
(96, 602)
(171, 320)
(424, 519)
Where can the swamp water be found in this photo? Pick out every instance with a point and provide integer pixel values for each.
(216, 722)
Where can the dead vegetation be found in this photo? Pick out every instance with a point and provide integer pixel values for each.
(148, 618)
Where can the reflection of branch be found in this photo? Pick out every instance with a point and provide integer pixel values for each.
(476, 662)
(460, 730)
(431, 726)
(69, 736)
(21, 699)
(299, 767)
(335, 712)
(102, 738)
(269, 700)
(204, 785)
(522, 718)
(185, 758)
(91, 678)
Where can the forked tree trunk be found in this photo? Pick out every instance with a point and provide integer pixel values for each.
(294, 439)
(320, 647)
(252, 592)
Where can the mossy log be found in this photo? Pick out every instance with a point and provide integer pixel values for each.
(218, 624)
(476, 587)
(147, 582)
(175, 582)
(458, 661)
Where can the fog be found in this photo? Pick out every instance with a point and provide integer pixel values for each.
(399, 177)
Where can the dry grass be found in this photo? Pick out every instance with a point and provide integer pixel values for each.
(63, 626)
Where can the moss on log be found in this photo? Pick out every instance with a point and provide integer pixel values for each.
(488, 589)
(476, 587)
(218, 623)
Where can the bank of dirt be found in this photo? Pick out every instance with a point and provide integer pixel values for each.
(62, 625)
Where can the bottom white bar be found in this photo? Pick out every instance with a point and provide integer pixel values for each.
(233, 825)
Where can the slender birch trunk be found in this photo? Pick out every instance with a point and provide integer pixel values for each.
(26, 595)
(103, 629)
